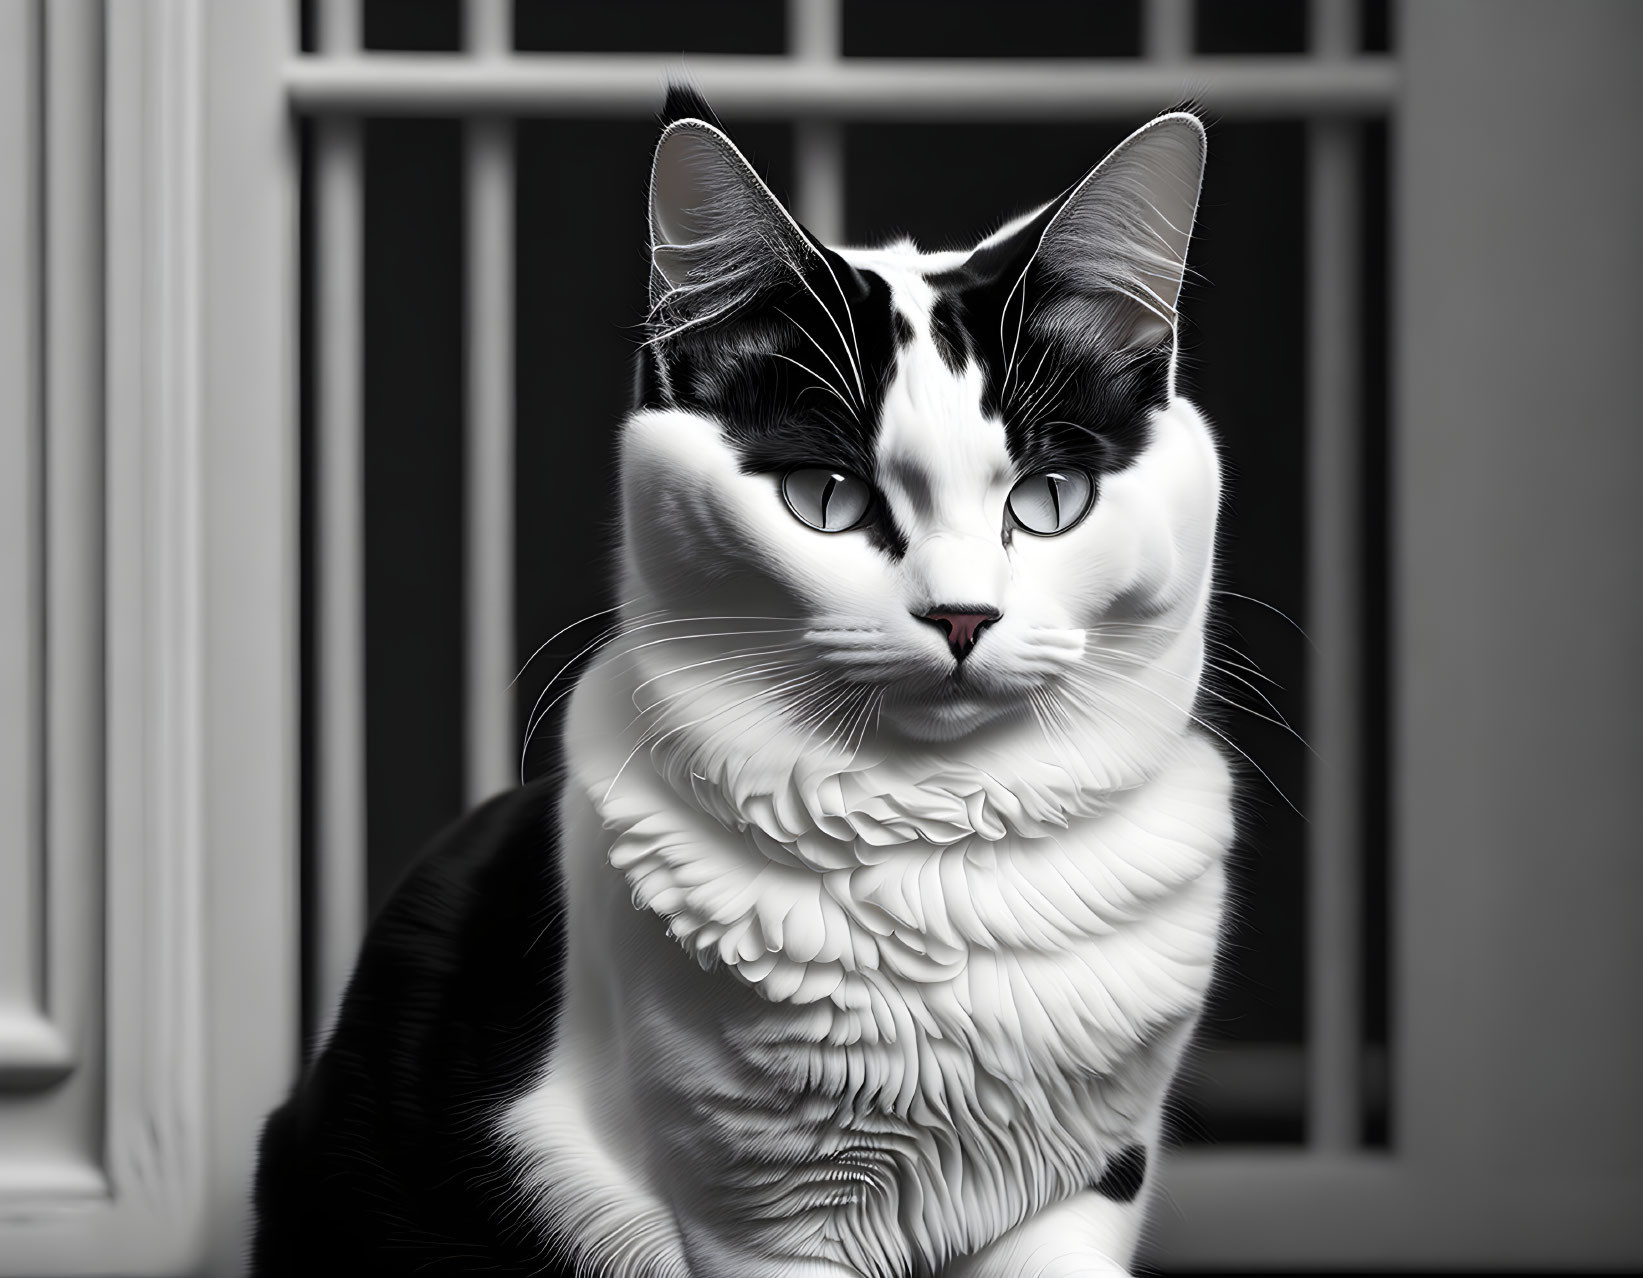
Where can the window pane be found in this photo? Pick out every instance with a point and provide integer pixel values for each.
(1377, 26)
(1250, 26)
(413, 489)
(650, 26)
(986, 29)
(412, 26)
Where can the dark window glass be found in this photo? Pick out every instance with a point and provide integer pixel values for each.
(412, 26)
(413, 489)
(650, 26)
(1377, 26)
(1250, 26)
(947, 185)
(986, 29)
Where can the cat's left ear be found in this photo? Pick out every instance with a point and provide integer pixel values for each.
(719, 237)
(1118, 241)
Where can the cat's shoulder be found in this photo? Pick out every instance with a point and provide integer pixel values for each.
(464, 956)
(494, 866)
(385, 1146)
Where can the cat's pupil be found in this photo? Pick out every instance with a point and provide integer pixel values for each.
(827, 496)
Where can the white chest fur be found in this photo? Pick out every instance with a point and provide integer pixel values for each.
(875, 1030)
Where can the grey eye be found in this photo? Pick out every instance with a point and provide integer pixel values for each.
(828, 500)
(1051, 501)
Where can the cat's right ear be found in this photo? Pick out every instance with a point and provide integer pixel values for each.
(1116, 247)
(718, 237)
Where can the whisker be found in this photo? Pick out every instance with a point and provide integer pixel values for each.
(861, 389)
(1233, 594)
(602, 612)
(1027, 397)
(733, 655)
(871, 709)
(1032, 398)
(610, 633)
(1278, 722)
(1224, 663)
(1233, 674)
(822, 350)
(1201, 685)
(538, 713)
(1211, 641)
(652, 740)
(847, 698)
(1039, 704)
(1228, 669)
(815, 708)
(708, 634)
(1207, 727)
(1020, 322)
(821, 381)
(656, 707)
(534, 720)
(850, 318)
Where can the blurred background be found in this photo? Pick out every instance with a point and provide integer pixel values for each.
(320, 319)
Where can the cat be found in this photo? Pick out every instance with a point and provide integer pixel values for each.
(876, 899)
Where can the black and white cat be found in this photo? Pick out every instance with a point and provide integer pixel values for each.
(879, 893)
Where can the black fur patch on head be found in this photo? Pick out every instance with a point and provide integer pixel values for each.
(1062, 401)
(947, 331)
(757, 324)
(1124, 1174)
(797, 376)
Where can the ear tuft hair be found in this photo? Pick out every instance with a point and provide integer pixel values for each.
(685, 102)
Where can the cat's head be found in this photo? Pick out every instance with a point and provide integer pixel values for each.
(941, 477)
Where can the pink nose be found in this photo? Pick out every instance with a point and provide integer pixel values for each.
(963, 625)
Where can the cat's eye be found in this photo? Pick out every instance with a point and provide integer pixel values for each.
(1051, 501)
(828, 500)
